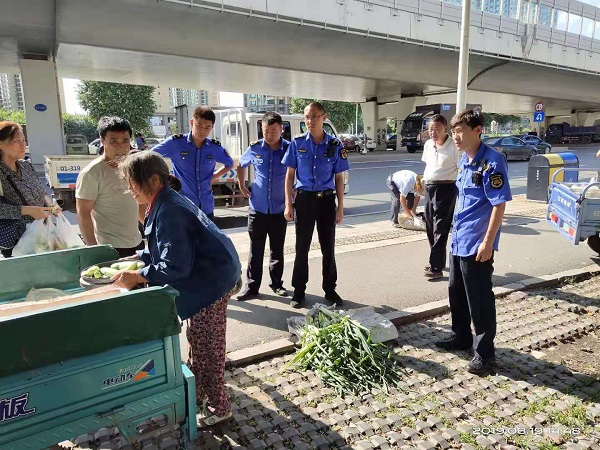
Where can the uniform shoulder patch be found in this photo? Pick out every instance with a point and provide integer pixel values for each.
(253, 143)
(343, 153)
(335, 141)
(300, 135)
(216, 141)
(177, 136)
(496, 180)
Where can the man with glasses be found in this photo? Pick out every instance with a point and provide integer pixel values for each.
(441, 168)
(317, 161)
(194, 157)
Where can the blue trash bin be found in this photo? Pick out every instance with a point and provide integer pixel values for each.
(571, 161)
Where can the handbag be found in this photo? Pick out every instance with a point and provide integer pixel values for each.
(11, 230)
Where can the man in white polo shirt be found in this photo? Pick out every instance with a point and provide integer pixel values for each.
(441, 159)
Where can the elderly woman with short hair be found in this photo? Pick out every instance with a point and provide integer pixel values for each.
(22, 196)
(187, 251)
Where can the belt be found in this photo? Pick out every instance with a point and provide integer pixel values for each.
(434, 182)
(317, 194)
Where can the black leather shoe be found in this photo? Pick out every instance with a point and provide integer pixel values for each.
(297, 300)
(281, 291)
(478, 365)
(247, 295)
(334, 297)
(453, 343)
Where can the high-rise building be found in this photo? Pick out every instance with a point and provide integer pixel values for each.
(11, 92)
(258, 102)
(181, 96)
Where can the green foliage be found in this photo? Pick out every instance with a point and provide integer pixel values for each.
(132, 102)
(13, 116)
(341, 114)
(502, 119)
(79, 124)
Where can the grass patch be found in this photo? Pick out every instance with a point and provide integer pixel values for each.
(574, 417)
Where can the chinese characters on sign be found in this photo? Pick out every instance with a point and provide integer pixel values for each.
(13, 408)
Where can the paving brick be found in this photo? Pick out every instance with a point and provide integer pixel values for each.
(363, 445)
(394, 438)
(408, 433)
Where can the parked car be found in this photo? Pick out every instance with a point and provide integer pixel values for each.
(349, 142)
(543, 147)
(94, 147)
(152, 142)
(512, 148)
(371, 144)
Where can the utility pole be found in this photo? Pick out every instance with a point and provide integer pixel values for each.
(463, 59)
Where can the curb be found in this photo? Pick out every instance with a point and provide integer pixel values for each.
(414, 314)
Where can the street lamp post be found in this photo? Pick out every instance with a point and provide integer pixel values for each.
(463, 59)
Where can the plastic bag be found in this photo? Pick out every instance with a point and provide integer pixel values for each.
(35, 295)
(381, 329)
(40, 236)
(66, 232)
(410, 223)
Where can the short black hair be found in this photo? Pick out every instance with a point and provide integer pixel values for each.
(439, 119)
(206, 113)
(271, 118)
(317, 105)
(469, 117)
(113, 123)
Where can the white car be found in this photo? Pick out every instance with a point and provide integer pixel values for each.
(94, 147)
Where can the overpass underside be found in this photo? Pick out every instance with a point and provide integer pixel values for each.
(384, 52)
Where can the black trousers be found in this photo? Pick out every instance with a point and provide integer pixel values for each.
(472, 299)
(439, 210)
(259, 227)
(125, 252)
(310, 210)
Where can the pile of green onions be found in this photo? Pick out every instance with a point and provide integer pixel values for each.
(340, 352)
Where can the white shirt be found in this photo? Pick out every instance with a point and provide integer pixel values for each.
(441, 163)
(405, 181)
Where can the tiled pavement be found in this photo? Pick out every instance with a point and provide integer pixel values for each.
(528, 403)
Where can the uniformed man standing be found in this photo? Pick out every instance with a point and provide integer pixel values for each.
(441, 159)
(483, 191)
(194, 157)
(317, 160)
(267, 204)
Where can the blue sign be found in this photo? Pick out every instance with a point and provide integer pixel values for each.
(539, 116)
(445, 107)
(40, 107)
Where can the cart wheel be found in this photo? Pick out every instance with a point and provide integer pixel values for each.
(594, 243)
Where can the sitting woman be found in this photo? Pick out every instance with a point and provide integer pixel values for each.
(22, 196)
(187, 251)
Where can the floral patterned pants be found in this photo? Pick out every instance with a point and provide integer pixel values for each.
(206, 336)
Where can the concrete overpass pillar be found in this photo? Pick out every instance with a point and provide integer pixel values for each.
(42, 109)
(375, 127)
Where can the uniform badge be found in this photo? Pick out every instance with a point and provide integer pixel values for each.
(301, 150)
(210, 157)
(344, 154)
(258, 156)
(184, 154)
(496, 180)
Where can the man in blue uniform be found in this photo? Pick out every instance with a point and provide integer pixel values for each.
(483, 191)
(267, 204)
(194, 158)
(317, 161)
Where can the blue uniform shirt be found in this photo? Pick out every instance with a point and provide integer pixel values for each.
(268, 189)
(475, 202)
(316, 165)
(195, 166)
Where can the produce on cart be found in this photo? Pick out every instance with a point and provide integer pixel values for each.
(340, 351)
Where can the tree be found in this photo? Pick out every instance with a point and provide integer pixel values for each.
(12, 115)
(501, 119)
(132, 102)
(79, 124)
(341, 114)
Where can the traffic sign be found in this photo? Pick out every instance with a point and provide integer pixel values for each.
(539, 106)
(539, 116)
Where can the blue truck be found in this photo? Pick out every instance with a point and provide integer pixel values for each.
(574, 210)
